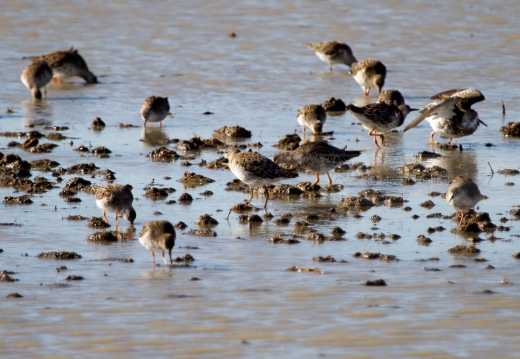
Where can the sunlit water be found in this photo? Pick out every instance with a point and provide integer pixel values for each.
(246, 303)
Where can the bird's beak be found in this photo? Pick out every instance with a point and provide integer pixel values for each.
(414, 109)
(482, 122)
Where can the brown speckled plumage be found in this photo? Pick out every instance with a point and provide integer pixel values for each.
(318, 156)
(255, 169)
(118, 199)
(35, 77)
(158, 236)
(380, 117)
(312, 117)
(155, 109)
(391, 97)
(369, 73)
(65, 64)
(333, 52)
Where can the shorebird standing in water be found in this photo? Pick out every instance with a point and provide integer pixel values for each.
(312, 117)
(35, 77)
(369, 74)
(451, 115)
(65, 64)
(381, 117)
(158, 236)
(118, 199)
(463, 194)
(318, 157)
(155, 109)
(255, 170)
(333, 52)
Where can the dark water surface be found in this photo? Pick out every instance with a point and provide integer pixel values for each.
(247, 304)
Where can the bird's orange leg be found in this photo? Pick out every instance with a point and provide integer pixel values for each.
(105, 216)
(367, 91)
(375, 135)
(153, 258)
(330, 179)
(449, 142)
(431, 137)
(247, 201)
(461, 217)
(317, 179)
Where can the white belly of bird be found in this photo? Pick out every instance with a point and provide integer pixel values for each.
(147, 242)
(361, 78)
(463, 202)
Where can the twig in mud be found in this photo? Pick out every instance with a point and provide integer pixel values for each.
(13, 223)
(492, 172)
(503, 109)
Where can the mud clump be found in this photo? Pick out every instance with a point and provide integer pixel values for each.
(219, 163)
(12, 164)
(423, 240)
(462, 250)
(511, 129)
(196, 143)
(82, 168)
(191, 179)
(103, 236)
(509, 172)
(334, 105)
(158, 193)
(181, 225)
(62, 255)
(233, 131)
(44, 165)
(427, 155)
(206, 221)
(13, 296)
(5, 277)
(97, 222)
(204, 232)
(75, 185)
(369, 255)
(97, 124)
(428, 204)
(185, 198)
(163, 154)
(24, 199)
(321, 259)
(101, 152)
(185, 258)
(375, 283)
(74, 277)
(358, 203)
(252, 218)
(278, 238)
(289, 142)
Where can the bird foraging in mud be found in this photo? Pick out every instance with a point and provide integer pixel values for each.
(118, 199)
(36, 77)
(333, 52)
(463, 194)
(64, 64)
(369, 73)
(383, 116)
(318, 157)
(255, 170)
(158, 236)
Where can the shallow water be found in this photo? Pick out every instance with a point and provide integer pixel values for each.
(247, 304)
